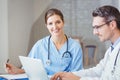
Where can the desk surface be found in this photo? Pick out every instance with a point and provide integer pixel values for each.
(15, 77)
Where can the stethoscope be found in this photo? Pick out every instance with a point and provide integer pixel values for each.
(66, 54)
(113, 70)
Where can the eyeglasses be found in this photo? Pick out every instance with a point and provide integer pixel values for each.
(97, 27)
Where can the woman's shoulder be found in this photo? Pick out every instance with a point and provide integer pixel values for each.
(43, 40)
(73, 42)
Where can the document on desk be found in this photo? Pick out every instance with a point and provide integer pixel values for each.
(13, 77)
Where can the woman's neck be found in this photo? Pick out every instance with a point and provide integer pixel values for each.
(59, 41)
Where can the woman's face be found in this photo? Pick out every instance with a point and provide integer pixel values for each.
(55, 25)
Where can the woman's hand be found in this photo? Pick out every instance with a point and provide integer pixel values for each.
(11, 69)
(65, 76)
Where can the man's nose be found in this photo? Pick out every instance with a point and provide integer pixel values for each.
(95, 31)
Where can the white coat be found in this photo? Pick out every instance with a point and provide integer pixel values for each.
(103, 70)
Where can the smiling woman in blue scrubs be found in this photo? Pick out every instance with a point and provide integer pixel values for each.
(57, 51)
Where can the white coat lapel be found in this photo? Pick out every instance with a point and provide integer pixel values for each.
(107, 74)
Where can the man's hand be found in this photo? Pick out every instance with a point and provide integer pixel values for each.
(65, 76)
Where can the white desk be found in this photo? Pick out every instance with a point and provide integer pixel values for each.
(10, 76)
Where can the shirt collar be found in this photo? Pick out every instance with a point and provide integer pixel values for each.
(115, 43)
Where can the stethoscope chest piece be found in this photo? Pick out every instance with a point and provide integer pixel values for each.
(67, 54)
(48, 62)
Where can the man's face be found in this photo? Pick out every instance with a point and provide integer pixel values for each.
(101, 28)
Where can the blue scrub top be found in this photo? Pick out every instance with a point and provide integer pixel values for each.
(58, 63)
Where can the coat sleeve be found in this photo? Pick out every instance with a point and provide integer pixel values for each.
(92, 73)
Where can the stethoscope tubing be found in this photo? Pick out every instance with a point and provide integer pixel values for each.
(63, 53)
(115, 62)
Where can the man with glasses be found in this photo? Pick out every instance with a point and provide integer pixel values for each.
(106, 25)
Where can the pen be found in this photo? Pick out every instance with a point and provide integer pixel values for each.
(7, 65)
(7, 60)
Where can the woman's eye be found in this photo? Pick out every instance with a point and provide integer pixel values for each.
(50, 24)
(58, 22)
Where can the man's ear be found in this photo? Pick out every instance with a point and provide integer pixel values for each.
(113, 24)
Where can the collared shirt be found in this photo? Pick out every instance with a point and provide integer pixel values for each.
(58, 63)
(115, 43)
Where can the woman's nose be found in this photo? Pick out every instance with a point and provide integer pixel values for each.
(54, 25)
